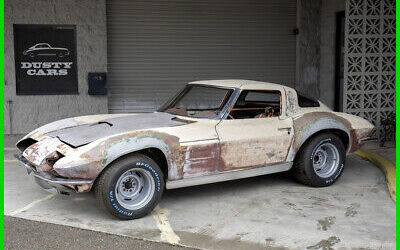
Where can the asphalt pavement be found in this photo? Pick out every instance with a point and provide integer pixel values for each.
(27, 234)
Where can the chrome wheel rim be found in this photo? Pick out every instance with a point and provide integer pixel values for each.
(134, 188)
(326, 160)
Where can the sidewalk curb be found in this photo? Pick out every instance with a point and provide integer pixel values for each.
(386, 166)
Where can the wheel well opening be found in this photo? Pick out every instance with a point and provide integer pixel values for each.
(343, 136)
(154, 153)
(158, 156)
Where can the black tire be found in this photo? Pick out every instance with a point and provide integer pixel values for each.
(303, 169)
(105, 187)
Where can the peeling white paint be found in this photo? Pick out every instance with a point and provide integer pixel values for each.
(167, 234)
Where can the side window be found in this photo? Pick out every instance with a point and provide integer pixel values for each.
(199, 98)
(43, 46)
(257, 104)
(305, 102)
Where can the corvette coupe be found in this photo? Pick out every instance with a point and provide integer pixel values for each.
(211, 131)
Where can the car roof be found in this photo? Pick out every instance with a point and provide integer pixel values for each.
(238, 83)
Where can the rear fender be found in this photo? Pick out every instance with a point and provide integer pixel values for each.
(308, 124)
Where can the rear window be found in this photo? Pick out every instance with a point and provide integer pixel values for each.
(306, 102)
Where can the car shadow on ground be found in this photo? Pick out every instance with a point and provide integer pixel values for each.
(233, 187)
(87, 203)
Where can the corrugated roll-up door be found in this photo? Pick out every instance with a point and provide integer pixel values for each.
(156, 47)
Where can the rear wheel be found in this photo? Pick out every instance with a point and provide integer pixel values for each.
(320, 161)
(131, 187)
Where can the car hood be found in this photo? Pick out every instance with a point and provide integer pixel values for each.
(79, 135)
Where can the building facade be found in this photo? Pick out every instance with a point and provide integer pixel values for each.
(341, 52)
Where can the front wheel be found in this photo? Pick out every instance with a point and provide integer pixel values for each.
(320, 161)
(131, 187)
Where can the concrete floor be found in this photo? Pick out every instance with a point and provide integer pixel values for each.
(272, 212)
(388, 151)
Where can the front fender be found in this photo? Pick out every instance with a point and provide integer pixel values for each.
(88, 161)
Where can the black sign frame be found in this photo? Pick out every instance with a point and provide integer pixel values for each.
(72, 84)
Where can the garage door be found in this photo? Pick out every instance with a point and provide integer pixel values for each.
(155, 47)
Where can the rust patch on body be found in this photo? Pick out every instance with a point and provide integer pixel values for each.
(291, 102)
(100, 155)
(201, 160)
(257, 152)
(84, 188)
(190, 159)
(309, 123)
(45, 153)
(304, 123)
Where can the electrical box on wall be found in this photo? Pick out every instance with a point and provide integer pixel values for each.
(97, 83)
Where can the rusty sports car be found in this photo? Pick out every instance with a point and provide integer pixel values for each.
(211, 131)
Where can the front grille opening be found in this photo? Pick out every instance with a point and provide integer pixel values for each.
(24, 144)
(51, 160)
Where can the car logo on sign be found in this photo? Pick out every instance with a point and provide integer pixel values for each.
(45, 49)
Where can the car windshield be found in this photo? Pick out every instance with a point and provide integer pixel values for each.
(198, 101)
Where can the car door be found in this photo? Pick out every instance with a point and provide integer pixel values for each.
(199, 107)
(248, 141)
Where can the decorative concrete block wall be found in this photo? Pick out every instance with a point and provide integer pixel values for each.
(370, 60)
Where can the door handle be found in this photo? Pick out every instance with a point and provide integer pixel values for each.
(285, 128)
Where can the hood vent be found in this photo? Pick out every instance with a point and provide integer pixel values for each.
(104, 122)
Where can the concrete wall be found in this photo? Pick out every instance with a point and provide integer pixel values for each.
(329, 9)
(25, 113)
(316, 45)
(308, 47)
